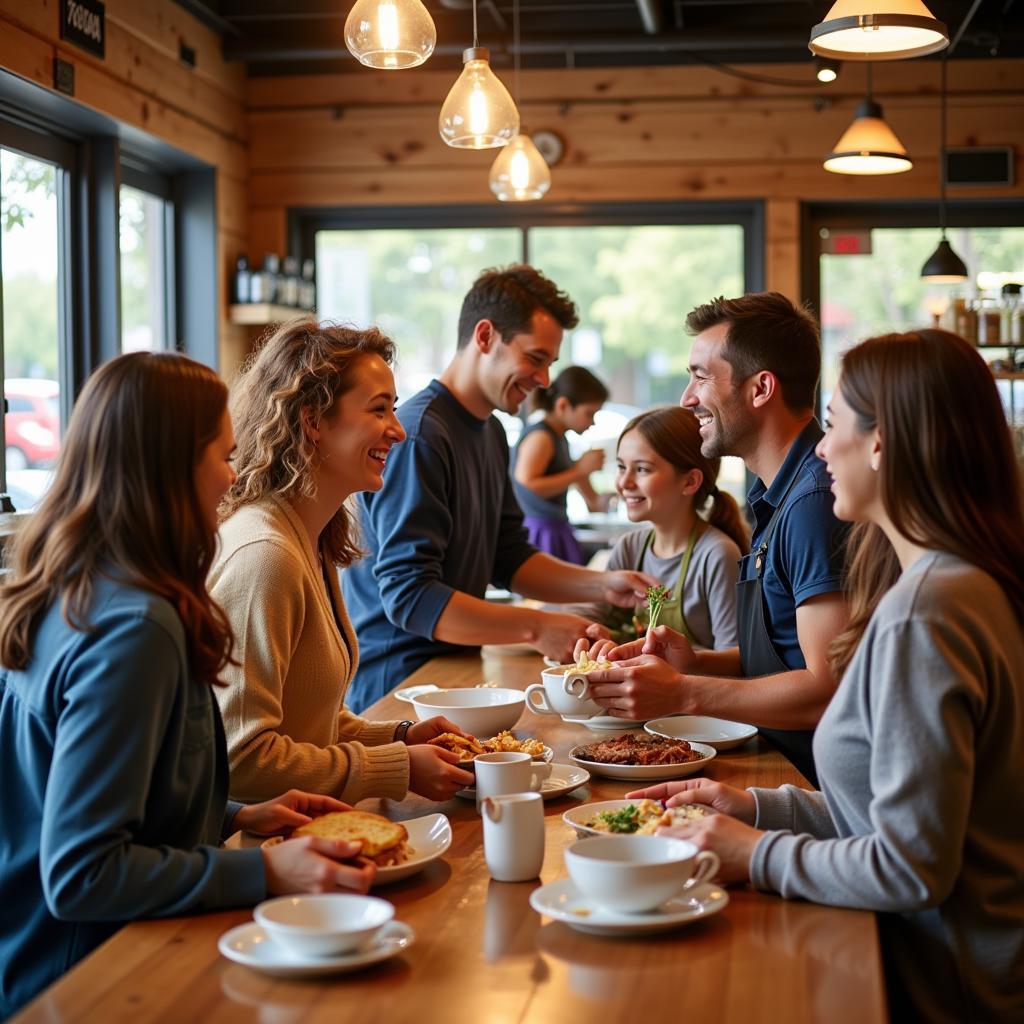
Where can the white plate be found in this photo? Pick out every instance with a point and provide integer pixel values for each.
(429, 838)
(714, 732)
(638, 772)
(564, 778)
(547, 757)
(562, 901)
(576, 817)
(250, 945)
(603, 723)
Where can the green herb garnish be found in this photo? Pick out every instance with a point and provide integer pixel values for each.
(656, 597)
(626, 819)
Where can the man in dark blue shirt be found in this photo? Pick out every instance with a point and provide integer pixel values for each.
(754, 368)
(446, 522)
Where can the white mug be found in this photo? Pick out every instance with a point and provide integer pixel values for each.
(514, 836)
(560, 694)
(507, 772)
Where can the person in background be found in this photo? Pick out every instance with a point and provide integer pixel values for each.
(754, 370)
(112, 756)
(695, 540)
(920, 751)
(543, 470)
(446, 522)
(316, 424)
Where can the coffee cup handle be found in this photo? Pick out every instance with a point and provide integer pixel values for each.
(707, 867)
(539, 773)
(541, 708)
(490, 809)
(576, 686)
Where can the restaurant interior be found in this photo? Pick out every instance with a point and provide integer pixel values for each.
(186, 175)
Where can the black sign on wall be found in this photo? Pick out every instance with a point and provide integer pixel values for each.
(82, 23)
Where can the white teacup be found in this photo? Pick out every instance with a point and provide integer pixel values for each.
(507, 772)
(514, 836)
(637, 873)
(560, 694)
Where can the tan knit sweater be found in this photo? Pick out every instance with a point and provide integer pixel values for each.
(283, 707)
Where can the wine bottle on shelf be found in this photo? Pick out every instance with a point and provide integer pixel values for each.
(290, 282)
(242, 285)
(307, 287)
(271, 277)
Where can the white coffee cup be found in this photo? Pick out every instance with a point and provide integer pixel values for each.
(513, 836)
(507, 772)
(560, 694)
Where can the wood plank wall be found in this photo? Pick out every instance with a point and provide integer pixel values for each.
(370, 138)
(142, 82)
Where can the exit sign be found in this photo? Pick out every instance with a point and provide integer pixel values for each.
(846, 241)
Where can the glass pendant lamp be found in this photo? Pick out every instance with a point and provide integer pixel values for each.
(878, 30)
(869, 145)
(478, 113)
(390, 34)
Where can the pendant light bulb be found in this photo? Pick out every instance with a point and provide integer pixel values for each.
(519, 173)
(868, 146)
(478, 113)
(878, 30)
(826, 70)
(390, 34)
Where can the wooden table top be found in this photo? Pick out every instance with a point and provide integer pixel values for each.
(483, 956)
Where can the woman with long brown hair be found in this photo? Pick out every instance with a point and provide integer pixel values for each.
(921, 750)
(111, 749)
(314, 411)
(696, 533)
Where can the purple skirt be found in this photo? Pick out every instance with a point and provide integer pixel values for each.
(556, 538)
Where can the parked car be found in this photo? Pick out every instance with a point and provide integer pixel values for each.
(32, 423)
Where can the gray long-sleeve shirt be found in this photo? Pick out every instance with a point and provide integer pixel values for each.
(921, 759)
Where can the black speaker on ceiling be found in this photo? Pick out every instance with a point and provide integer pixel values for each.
(978, 167)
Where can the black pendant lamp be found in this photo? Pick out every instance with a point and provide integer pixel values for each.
(943, 266)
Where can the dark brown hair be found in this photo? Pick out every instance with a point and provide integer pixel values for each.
(767, 332)
(123, 505)
(303, 364)
(949, 480)
(673, 432)
(508, 297)
(575, 383)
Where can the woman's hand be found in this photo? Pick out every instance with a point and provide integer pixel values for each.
(314, 864)
(285, 813)
(434, 772)
(731, 839)
(424, 732)
(643, 688)
(737, 803)
(625, 588)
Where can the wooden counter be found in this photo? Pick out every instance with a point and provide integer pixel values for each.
(482, 956)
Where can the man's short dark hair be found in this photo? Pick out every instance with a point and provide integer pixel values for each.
(508, 297)
(767, 332)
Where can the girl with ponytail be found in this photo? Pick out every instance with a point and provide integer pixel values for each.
(696, 533)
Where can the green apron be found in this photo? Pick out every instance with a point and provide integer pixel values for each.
(672, 608)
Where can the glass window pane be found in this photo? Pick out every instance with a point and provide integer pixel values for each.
(29, 221)
(143, 271)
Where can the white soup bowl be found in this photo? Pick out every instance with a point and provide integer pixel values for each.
(324, 924)
(482, 711)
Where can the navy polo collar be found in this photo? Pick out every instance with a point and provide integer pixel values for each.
(804, 445)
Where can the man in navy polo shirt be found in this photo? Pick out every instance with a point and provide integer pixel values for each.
(754, 368)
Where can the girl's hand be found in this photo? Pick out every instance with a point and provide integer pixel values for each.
(424, 732)
(285, 813)
(737, 803)
(314, 864)
(731, 839)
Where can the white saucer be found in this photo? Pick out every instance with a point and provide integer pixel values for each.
(564, 778)
(603, 723)
(639, 772)
(562, 901)
(715, 732)
(250, 945)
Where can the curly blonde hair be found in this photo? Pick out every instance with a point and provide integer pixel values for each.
(304, 364)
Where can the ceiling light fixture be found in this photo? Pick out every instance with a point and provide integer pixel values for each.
(825, 69)
(943, 266)
(869, 145)
(478, 113)
(878, 30)
(519, 173)
(390, 34)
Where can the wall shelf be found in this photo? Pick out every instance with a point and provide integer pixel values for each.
(260, 314)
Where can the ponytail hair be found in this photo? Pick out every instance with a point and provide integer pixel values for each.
(673, 432)
(576, 383)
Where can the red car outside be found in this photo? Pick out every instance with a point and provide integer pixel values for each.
(32, 423)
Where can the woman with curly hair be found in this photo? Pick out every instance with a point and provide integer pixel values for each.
(314, 416)
(115, 776)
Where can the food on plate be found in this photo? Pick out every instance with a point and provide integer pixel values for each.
(643, 818)
(468, 747)
(584, 665)
(630, 749)
(385, 842)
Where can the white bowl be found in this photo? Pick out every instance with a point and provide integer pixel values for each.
(324, 924)
(631, 873)
(479, 710)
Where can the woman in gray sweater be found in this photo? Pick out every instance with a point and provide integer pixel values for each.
(921, 751)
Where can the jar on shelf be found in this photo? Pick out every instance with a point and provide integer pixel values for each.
(965, 319)
(1012, 313)
(989, 320)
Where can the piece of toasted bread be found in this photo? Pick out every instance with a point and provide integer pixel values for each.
(379, 836)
